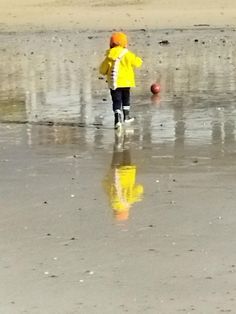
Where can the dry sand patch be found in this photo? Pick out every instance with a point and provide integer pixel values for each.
(105, 15)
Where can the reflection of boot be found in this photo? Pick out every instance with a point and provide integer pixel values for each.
(119, 141)
(127, 118)
(126, 140)
(128, 134)
(117, 119)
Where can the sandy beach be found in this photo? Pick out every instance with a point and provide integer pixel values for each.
(95, 221)
(104, 15)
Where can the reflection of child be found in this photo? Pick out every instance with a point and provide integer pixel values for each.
(118, 67)
(120, 184)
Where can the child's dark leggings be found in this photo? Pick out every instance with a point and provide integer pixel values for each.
(120, 98)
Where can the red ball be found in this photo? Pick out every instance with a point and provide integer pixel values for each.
(155, 88)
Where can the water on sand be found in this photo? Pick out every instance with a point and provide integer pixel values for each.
(86, 210)
(53, 78)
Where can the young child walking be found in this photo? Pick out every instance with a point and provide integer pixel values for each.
(118, 66)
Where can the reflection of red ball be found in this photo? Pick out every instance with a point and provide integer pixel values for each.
(155, 88)
(156, 99)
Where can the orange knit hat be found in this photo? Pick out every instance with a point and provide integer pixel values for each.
(118, 39)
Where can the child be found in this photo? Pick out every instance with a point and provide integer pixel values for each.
(118, 67)
(120, 182)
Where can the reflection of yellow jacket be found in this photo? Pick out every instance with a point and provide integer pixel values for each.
(118, 66)
(121, 188)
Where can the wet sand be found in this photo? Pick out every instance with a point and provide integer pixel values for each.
(64, 247)
(64, 252)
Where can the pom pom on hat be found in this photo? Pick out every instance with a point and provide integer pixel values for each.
(118, 39)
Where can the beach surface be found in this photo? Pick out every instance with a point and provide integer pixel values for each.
(100, 14)
(140, 220)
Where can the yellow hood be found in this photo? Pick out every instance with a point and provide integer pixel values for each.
(118, 66)
(114, 53)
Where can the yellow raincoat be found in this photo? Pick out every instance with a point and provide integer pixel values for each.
(118, 67)
(122, 190)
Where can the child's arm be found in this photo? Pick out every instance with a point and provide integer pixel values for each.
(103, 69)
(136, 61)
